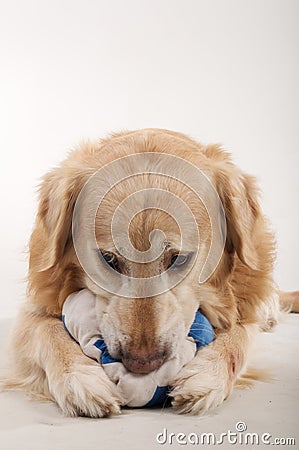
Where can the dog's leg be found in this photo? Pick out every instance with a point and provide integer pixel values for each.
(289, 301)
(209, 378)
(48, 363)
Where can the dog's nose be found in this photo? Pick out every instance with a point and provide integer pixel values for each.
(142, 363)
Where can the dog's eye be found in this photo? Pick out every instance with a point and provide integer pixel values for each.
(178, 260)
(110, 259)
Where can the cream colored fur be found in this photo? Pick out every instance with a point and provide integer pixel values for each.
(239, 299)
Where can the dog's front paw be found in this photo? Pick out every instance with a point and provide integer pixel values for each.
(85, 390)
(196, 396)
(201, 385)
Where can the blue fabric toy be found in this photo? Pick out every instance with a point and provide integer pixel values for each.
(137, 390)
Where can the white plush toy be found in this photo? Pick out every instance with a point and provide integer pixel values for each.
(152, 389)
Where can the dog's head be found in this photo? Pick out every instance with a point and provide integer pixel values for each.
(153, 224)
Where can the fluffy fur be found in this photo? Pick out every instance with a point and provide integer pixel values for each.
(239, 299)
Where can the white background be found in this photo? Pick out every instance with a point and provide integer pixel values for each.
(222, 71)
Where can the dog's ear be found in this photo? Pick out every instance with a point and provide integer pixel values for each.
(239, 197)
(58, 194)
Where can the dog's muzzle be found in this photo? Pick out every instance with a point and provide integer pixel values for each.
(142, 362)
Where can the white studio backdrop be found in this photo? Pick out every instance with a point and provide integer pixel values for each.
(221, 71)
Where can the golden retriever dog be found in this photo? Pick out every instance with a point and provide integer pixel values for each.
(158, 226)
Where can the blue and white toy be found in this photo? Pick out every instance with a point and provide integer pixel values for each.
(137, 390)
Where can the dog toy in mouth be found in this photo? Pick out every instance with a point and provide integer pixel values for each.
(137, 390)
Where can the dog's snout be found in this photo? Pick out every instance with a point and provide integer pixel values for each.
(143, 362)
